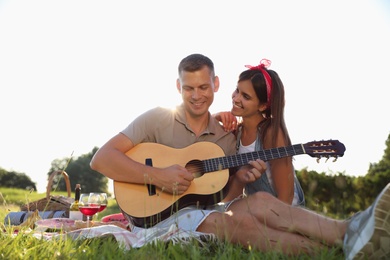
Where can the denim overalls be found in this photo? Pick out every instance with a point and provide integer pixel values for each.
(263, 184)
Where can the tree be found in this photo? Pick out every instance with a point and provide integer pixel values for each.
(378, 175)
(326, 193)
(79, 171)
(16, 180)
(384, 164)
(344, 195)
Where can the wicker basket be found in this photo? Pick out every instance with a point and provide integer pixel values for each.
(52, 203)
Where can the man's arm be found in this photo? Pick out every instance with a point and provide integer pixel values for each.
(111, 161)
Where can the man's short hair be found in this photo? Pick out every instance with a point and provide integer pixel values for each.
(195, 62)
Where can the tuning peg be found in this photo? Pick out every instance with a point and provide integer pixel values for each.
(335, 158)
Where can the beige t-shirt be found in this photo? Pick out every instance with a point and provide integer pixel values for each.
(169, 127)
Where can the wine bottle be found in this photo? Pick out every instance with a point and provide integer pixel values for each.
(74, 212)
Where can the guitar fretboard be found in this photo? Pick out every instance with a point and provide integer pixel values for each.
(231, 161)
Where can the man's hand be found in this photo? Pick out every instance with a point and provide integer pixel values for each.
(174, 179)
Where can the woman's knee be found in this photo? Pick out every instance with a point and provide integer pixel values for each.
(262, 197)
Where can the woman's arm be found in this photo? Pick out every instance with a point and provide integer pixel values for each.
(228, 120)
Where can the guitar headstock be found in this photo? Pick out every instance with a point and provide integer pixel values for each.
(325, 149)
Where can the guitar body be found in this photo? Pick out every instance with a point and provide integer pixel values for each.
(135, 200)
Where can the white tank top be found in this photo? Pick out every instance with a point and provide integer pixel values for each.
(251, 148)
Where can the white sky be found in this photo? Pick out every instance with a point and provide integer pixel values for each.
(74, 73)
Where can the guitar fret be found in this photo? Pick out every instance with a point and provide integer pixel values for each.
(270, 155)
(213, 164)
(284, 151)
(274, 152)
(243, 158)
(206, 167)
(232, 161)
(252, 157)
(223, 163)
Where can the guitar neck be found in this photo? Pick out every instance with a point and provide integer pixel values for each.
(221, 163)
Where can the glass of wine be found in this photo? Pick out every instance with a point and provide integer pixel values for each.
(89, 205)
(103, 200)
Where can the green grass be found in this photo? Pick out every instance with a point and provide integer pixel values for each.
(26, 246)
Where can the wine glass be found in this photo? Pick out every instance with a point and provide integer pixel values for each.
(103, 200)
(89, 205)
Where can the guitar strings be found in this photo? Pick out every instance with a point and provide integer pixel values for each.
(225, 162)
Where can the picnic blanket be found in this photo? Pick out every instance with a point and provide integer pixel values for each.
(67, 228)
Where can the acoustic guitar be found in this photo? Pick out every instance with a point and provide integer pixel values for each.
(148, 205)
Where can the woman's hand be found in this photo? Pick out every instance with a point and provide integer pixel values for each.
(228, 120)
(251, 172)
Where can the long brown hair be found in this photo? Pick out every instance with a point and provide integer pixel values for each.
(274, 113)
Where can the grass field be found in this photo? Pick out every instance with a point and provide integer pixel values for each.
(26, 246)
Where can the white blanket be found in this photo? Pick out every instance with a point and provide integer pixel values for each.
(130, 239)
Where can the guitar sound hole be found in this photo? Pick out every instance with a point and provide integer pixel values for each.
(195, 167)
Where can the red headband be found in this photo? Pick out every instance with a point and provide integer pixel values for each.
(264, 64)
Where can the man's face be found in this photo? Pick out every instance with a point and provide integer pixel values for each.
(197, 90)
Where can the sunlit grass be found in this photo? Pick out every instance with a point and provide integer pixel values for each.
(29, 247)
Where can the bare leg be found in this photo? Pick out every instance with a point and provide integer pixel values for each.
(264, 222)
(278, 215)
(235, 189)
(244, 229)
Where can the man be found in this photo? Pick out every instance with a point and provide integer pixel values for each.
(259, 220)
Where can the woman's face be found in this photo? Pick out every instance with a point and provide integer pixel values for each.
(245, 101)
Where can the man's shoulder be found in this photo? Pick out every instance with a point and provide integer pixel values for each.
(159, 111)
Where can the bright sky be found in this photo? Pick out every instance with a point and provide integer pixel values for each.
(74, 73)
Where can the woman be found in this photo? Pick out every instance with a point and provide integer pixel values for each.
(259, 101)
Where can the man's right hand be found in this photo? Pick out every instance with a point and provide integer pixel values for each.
(174, 179)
